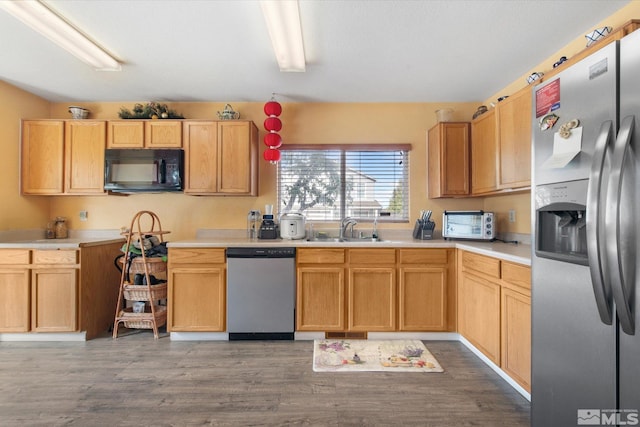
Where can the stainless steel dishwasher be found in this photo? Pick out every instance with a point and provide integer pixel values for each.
(261, 291)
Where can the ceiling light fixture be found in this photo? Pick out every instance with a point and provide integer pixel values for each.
(39, 17)
(283, 23)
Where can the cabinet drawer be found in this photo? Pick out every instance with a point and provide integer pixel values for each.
(55, 256)
(197, 256)
(481, 264)
(320, 256)
(372, 256)
(423, 256)
(516, 274)
(14, 256)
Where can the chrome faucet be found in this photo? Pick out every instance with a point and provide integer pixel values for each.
(344, 225)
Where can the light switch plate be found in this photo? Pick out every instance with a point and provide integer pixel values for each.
(83, 215)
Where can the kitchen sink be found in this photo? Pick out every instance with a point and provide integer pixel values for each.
(346, 240)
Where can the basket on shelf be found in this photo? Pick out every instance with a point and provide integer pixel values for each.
(154, 265)
(144, 320)
(141, 292)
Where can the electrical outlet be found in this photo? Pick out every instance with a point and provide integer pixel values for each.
(512, 215)
(83, 215)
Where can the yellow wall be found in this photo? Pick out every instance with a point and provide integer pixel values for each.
(522, 203)
(18, 212)
(308, 123)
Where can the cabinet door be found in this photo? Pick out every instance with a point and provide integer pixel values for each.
(84, 157)
(372, 299)
(14, 300)
(163, 134)
(320, 302)
(42, 159)
(201, 157)
(423, 299)
(484, 156)
(448, 151)
(54, 296)
(197, 299)
(479, 314)
(516, 336)
(125, 134)
(237, 157)
(514, 140)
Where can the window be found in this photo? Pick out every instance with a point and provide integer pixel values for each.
(329, 183)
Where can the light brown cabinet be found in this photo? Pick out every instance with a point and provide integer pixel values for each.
(426, 289)
(221, 157)
(62, 157)
(14, 290)
(513, 117)
(375, 289)
(494, 312)
(448, 159)
(372, 290)
(320, 289)
(144, 134)
(197, 290)
(64, 290)
(484, 155)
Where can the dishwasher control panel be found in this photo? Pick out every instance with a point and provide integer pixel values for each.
(261, 252)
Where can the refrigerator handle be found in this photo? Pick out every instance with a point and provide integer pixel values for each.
(618, 286)
(595, 246)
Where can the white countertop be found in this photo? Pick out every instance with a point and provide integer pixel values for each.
(33, 239)
(518, 253)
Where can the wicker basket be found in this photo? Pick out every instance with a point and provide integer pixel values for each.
(154, 265)
(141, 292)
(144, 320)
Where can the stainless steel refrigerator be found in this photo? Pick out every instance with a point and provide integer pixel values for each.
(585, 246)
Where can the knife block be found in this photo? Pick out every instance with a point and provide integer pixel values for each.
(423, 230)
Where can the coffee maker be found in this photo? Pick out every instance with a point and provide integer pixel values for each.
(268, 228)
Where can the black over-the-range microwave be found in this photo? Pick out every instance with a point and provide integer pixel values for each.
(143, 170)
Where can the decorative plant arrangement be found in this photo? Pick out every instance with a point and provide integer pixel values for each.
(152, 110)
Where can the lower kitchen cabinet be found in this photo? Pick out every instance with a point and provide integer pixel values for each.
(372, 299)
(197, 290)
(375, 289)
(54, 300)
(320, 299)
(59, 290)
(479, 314)
(14, 300)
(494, 312)
(516, 336)
(320, 289)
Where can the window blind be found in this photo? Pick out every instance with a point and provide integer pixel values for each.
(331, 184)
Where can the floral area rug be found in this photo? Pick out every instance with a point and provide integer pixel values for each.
(367, 356)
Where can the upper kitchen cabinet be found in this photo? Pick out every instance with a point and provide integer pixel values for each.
(484, 154)
(448, 159)
(513, 117)
(62, 157)
(144, 134)
(221, 157)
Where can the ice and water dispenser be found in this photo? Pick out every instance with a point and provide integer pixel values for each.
(561, 231)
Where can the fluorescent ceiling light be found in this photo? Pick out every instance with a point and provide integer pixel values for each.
(51, 25)
(283, 22)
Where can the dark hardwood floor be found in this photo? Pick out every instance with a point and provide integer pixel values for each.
(138, 381)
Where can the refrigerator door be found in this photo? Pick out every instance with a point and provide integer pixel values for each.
(573, 350)
(573, 356)
(629, 352)
(587, 92)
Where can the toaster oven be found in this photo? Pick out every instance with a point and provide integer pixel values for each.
(475, 225)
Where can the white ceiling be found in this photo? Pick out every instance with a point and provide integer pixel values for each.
(356, 50)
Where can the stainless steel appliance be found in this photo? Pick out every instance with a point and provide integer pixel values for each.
(292, 226)
(585, 210)
(261, 293)
(148, 170)
(268, 228)
(475, 225)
